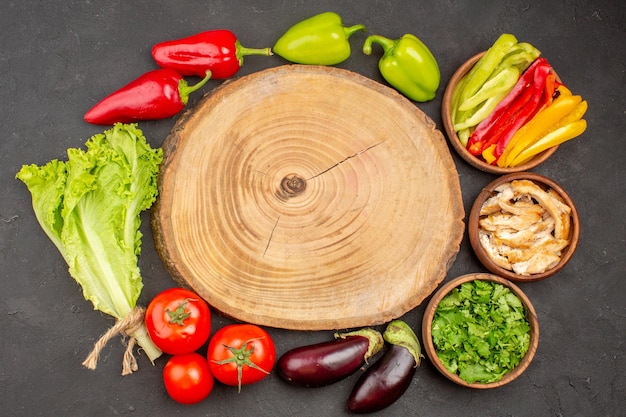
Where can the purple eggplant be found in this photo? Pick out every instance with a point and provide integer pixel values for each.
(386, 380)
(328, 362)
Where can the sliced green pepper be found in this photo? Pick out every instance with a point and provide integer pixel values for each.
(502, 82)
(318, 40)
(485, 66)
(520, 56)
(476, 96)
(408, 65)
(505, 75)
(478, 114)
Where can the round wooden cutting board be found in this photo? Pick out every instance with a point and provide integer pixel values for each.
(308, 198)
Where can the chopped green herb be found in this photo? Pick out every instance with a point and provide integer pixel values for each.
(480, 331)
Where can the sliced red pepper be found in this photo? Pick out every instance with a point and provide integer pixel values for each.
(524, 114)
(157, 94)
(478, 144)
(523, 82)
(551, 86)
(527, 92)
(216, 50)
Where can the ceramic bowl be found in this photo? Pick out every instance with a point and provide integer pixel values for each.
(473, 226)
(429, 314)
(456, 143)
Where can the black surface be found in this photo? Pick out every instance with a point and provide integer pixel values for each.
(58, 58)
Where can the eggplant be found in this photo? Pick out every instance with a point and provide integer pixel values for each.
(387, 379)
(328, 362)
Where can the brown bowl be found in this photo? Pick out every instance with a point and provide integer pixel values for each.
(429, 314)
(456, 143)
(473, 226)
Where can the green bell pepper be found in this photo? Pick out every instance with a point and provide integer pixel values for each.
(408, 65)
(318, 40)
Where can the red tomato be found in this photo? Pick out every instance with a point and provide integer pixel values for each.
(241, 354)
(178, 321)
(187, 378)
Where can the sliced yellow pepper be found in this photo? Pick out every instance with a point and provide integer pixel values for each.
(541, 124)
(576, 114)
(555, 137)
(488, 154)
(564, 90)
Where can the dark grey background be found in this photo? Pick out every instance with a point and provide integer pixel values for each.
(57, 58)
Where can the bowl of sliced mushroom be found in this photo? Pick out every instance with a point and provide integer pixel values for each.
(524, 227)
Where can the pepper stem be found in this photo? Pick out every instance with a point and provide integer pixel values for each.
(243, 51)
(386, 43)
(352, 29)
(184, 89)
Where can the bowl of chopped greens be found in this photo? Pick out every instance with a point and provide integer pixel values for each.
(480, 331)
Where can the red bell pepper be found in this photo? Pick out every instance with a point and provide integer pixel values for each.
(216, 50)
(543, 91)
(513, 111)
(157, 94)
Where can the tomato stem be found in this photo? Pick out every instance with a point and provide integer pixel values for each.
(179, 315)
(241, 357)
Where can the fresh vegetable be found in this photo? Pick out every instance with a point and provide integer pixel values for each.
(178, 321)
(480, 331)
(535, 136)
(473, 81)
(90, 208)
(498, 85)
(218, 51)
(328, 362)
(187, 378)
(519, 106)
(486, 65)
(489, 154)
(494, 106)
(408, 65)
(386, 380)
(241, 354)
(553, 138)
(318, 40)
(544, 89)
(488, 82)
(157, 94)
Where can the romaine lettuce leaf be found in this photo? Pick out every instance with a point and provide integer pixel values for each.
(90, 205)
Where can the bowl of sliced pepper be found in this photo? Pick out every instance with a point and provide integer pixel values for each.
(480, 331)
(506, 110)
(523, 226)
